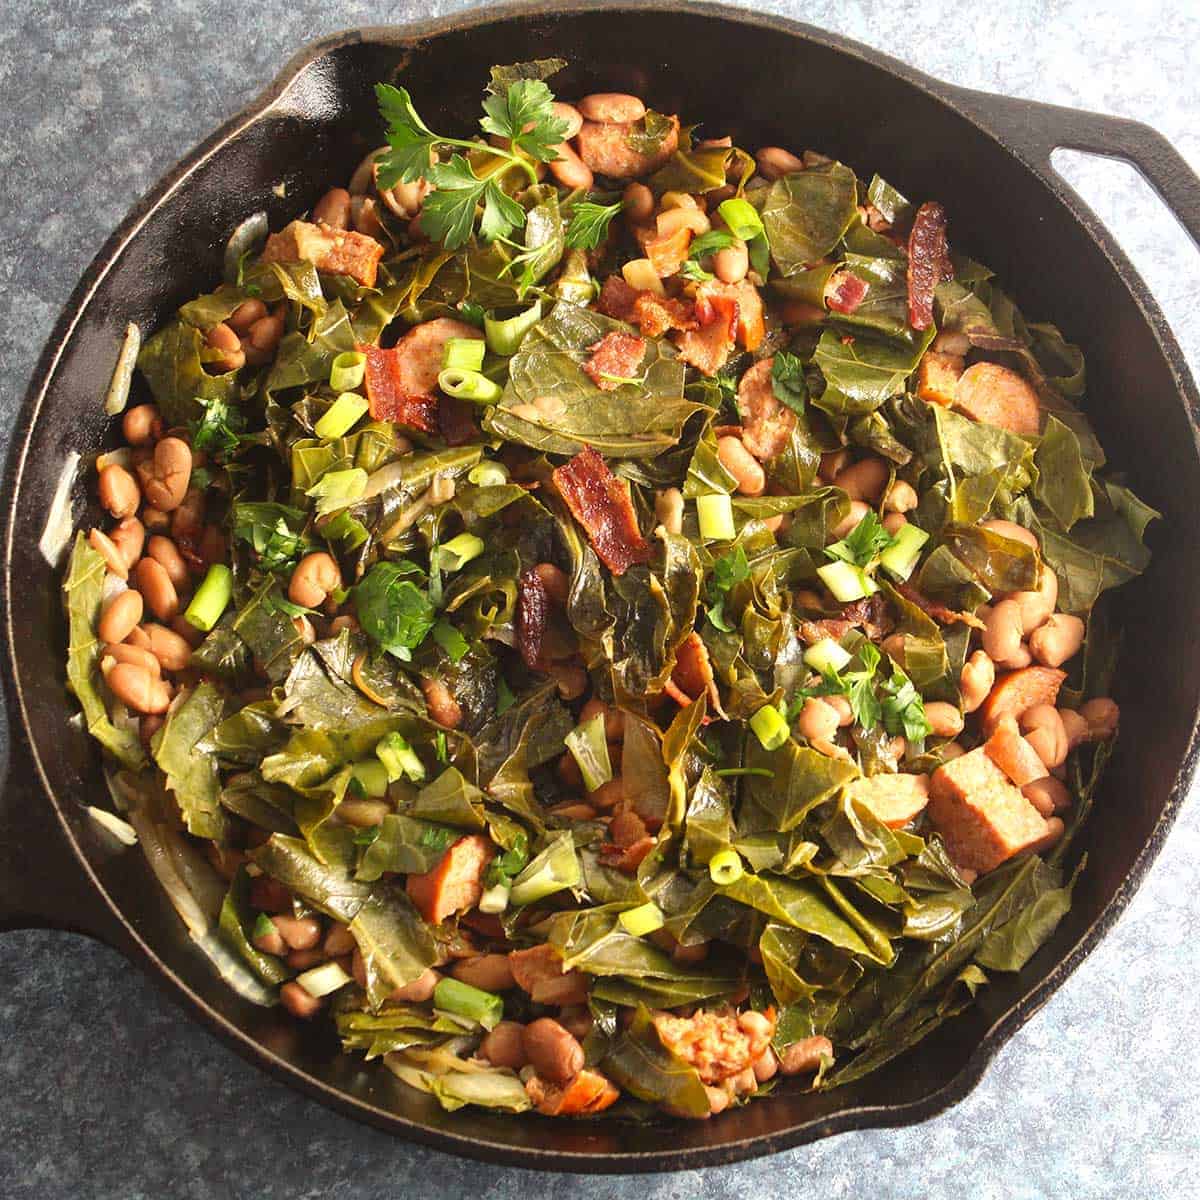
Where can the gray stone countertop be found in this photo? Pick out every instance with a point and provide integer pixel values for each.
(106, 1090)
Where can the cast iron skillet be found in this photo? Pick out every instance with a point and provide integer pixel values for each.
(985, 157)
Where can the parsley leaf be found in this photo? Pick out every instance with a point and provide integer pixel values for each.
(708, 243)
(411, 140)
(523, 113)
(863, 544)
(694, 271)
(448, 215)
(589, 224)
(218, 430)
(392, 609)
(450, 640)
(903, 708)
(787, 381)
(728, 571)
(274, 531)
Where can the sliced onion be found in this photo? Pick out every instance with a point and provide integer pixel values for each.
(121, 830)
(246, 236)
(56, 533)
(122, 376)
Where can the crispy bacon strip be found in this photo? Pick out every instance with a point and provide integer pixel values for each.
(615, 359)
(869, 614)
(387, 397)
(655, 315)
(616, 299)
(533, 615)
(693, 673)
(708, 347)
(939, 612)
(601, 504)
(928, 262)
(845, 292)
(456, 421)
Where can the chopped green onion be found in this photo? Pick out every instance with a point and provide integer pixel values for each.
(769, 727)
(644, 919)
(846, 581)
(901, 556)
(399, 759)
(495, 899)
(504, 337)
(463, 353)
(263, 926)
(471, 1003)
(347, 371)
(121, 830)
(555, 868)
(211, 599)
(488, 474)
(469, 385)
(725, 867)
(338, 489)
(322, 980)
(341, 416)
(458, 551)
(716, 517)
(589, 749)
(826, 656)
(741, 218)
(371, 776)
(734, 772)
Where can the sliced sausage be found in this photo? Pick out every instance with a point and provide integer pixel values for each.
(456, 883)
(606, 150)
(766, 423)
(999, 396)
(1016, 691)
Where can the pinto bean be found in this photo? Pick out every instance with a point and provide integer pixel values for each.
(151, 579)
(1002, 634)
(1076, 727)
(113, 560)
(421, 988)
(440, 702)
(731, 264)
(668, 508)
(1102, 716)
(1057, 640)
(339, 941)
(944, 719)
(805, 1055)
(555, 580)
(893, 522)
(504, 1046)
(246, 314)
(120, 615)
(1045, 732)
(119, 492)
(128, 536)
(774, 162)
(766, 1065)
(165, 476)
(893, 647)
(141, 424)
(742, 465)
(1012, 531)
(315, 576)
(817, 720)
(165, 552)
(138, 688)
(901, 498)
(832, 464)
(637, 200)
(333, 208)
(569, 169)
(1037, 606)
(552, 1051)
(864, 480)
(230, 355)
(173, 652)
(298, 1002)
(490, 972)
(270, 942)
(123, 652)
(1047, 795)
(611, 108)
(154, 518)
(300, 933)
(569, 115)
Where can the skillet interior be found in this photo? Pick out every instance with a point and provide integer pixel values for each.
(792, 90)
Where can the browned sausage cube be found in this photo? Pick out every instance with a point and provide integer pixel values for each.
(983, 819)
(456, 883)
(893, 798)
(999, 396)
(338, 251)
(937, 377)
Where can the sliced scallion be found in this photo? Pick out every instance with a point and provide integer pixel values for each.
(899, 559)
(323, 980)
(589, 749)
(211, 599)
(494, 899)
(471, 1003)
(338, 489)
(846, 581)
(716, 517)
(399, 759)
(555, 868)
(725, 867)
(341, 416)
(488, 474)
(505, 337)
(469, 385)
(741, 218)
(465, 354)
(769, 727)
(826, 656)
(458, 551)
(371, 775)
(347, 371)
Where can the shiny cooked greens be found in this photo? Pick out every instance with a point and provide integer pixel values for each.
(641, 692)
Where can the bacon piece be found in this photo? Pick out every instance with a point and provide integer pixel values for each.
(336, 251)
(617, 298)
(845, 291)
(456, 883)
(655, 315)
(707, 348)
(627, 859)
(939, 612)
(928, 262)
(456, 420)
(388, 399)
(869, 614)
(587, 1093)
(533, 614)
(668, 252)
(601, 504)
(693, 673)
(767, 424)
(615, 359)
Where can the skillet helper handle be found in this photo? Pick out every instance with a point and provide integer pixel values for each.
(43, 885)
(1036, 130)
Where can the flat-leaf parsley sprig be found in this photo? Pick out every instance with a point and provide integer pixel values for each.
(519, 111)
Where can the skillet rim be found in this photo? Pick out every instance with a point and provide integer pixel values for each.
(970, 106)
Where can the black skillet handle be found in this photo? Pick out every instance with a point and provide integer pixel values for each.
(43, 883)
(1036, 130)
